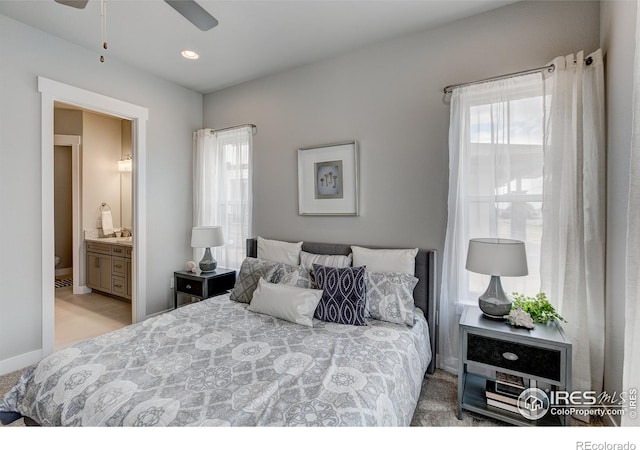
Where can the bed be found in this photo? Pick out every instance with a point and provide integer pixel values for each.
(216, 363)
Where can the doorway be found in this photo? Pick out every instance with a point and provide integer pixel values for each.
(88, 173)
(52, 91)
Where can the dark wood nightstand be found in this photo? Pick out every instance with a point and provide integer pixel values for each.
(542, 357)
(202, 285)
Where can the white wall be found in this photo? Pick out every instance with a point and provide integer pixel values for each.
(174, 113)
(617, 35)
(389, 97)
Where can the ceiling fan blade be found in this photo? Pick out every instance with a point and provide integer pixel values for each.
(80, 4)
(194, 13)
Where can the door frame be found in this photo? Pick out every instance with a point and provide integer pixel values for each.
(52, 91)
(77, 255)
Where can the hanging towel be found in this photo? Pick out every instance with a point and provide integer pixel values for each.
(107, 223)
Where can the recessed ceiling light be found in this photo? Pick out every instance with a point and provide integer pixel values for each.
(190, 54)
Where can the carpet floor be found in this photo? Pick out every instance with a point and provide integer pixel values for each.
(6, 382)
(436, 406)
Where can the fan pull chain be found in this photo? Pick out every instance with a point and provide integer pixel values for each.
(103, 22)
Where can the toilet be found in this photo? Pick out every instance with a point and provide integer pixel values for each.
(57, 261)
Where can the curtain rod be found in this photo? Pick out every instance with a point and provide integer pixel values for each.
(254, 128)
(550, 68)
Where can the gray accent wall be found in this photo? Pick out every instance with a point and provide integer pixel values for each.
(389, 98)
(174, 113)
(617, 35)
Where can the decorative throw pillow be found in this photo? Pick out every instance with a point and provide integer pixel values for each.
(390, 297)
(343, 294)
(298, 277)
(307, 260)
(385, 260)
(290, 303)
(279, 251)
(251, 270)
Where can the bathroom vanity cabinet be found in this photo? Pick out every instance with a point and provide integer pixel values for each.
(109, 268)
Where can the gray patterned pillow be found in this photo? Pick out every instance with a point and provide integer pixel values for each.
(295, 276)
(390, 297)
(251, 270)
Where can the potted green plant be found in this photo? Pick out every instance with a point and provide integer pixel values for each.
(538, 307)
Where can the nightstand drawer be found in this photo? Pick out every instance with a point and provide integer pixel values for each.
(537, 361)
(188, 286)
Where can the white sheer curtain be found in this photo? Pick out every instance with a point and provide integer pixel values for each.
(222, 195)
(573, 238)
(495, 190)
(631, 370)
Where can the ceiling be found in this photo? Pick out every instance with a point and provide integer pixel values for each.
(253, 39)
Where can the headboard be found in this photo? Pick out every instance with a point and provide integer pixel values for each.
(424, 293)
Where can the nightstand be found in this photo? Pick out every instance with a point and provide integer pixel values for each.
(202, 285)
(542, 357)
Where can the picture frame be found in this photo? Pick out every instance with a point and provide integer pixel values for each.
(328, 180)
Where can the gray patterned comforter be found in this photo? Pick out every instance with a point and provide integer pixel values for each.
(215, 363)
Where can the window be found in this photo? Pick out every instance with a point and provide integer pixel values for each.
(496, 142)
(503, 181)
(233, 200)
(223, 189)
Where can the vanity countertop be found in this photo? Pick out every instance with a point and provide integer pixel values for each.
(125, 241)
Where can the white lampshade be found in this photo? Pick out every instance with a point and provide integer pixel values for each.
(494, 256)
(204, 237)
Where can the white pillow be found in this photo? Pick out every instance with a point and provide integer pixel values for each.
(279, 251)
(307, 260)
(290, 303)
(386, 260)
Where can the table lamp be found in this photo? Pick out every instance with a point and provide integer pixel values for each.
(207, 237)
(496, 257)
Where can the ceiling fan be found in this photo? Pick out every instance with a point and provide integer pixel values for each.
(191, 11)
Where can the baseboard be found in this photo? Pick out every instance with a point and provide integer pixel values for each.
(158, 313)
(81, 290)
(20, 362)
(65, 271)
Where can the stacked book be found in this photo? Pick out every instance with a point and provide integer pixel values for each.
(503, 393)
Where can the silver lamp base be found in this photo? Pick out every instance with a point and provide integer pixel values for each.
(207, 263)
(494, 303)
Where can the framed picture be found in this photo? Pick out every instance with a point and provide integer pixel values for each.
(328, 180)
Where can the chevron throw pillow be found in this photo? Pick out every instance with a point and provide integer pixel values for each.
(251, 270)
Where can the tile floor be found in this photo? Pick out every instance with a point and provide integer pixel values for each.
(80, 317)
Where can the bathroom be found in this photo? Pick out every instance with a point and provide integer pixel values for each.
(90, 179)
